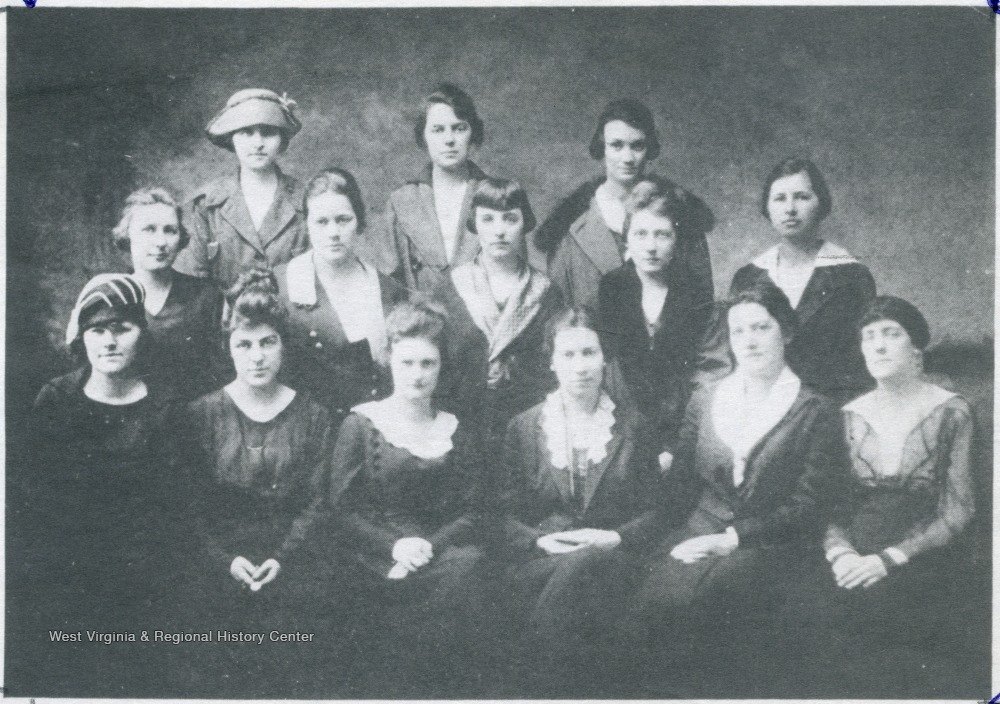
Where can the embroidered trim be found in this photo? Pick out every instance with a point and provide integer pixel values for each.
(829, 254)
(425, 443)
(597, 430)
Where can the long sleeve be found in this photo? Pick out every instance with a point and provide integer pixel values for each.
(560, 271)
(515, 498)
(467, 462)
(652, 510)
(956, 504)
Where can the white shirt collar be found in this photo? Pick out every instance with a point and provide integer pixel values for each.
(829, 254)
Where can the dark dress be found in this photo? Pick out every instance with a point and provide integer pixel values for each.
(186, 339)
(824, 352)
(338, 373)
(107, 551)
(504, 347)
(381, 493)
(224, 241)
(657, 365)
(580, 248)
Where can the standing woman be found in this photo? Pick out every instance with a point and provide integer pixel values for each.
(652, 316)
(425, 230)
(405, 486)
(760, 452)
(183, 312)
(337, 301)
(503, 304)
(584, 238)
(827, 287)
(252, 218)
(262, 450)
(582, 501)
(105, 502)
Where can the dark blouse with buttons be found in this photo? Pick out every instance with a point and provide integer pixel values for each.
(260, 485)
(382, 493)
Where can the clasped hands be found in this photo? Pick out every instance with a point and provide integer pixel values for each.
(253, 576)
(410, 555)
(852, 570)
(570, 540)
(698, 548)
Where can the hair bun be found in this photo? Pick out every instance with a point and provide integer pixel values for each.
(253, 280)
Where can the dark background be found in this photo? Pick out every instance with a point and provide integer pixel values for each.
(895, 104)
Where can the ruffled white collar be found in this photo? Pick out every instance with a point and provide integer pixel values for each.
(596, 429)
(427, 443)
(829, 254)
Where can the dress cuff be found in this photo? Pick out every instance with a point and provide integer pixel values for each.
(835, 553)
(733, 536)
(896, 556)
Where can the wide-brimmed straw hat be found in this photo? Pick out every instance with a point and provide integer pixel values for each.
(253, 106)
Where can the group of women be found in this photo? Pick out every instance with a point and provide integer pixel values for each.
(418, 435)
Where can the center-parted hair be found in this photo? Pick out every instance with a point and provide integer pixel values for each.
(798, 165)
(420, 317)
(773, 300)
(460, 102)
(253, 300)
(336, 180)
(139, 198)
(632, 113)
(900, 311)
(566, 319)
(501, 194)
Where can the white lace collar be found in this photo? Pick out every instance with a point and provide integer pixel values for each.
(425, 443)
(597, 430)
(829, 254)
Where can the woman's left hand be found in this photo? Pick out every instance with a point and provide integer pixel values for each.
(867, 571)
(702, 546)
(596, 537)
(267, 571)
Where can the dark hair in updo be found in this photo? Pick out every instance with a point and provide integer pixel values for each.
(254, 300)
(902, 312)
(460, 102)
(336, 180)
(664, 198)
(632, 113)
(501, 194)
(568, 318)
(773, 300)
(798, 165)
(420, 317)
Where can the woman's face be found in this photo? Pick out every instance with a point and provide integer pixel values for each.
(578, 361)
(625, 150)
(448, 138)
(112, 347)
(257, 353)
(651, 241)
(415, 363)
(755, 339)
(793, 207)
(257, 147)
(888, 350)
(332, 225)
(154, 236)
(501, 232)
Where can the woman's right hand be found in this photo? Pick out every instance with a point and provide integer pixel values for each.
(412, 553)
(560, 543)
(242, 570)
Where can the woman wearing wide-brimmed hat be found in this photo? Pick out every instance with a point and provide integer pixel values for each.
(252, 218)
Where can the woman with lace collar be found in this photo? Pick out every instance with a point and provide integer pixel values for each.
(337, 300)
(827, 287)
(894, 545)
(761, 453)
(500, 305)
(406, 490)
(582, 498)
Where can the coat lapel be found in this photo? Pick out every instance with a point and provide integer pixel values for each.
(596, 240)
(467, 246)
(754, 463)
(597, 472)
(816, 293)
(283, 210)
(235, 212)
(558, 478)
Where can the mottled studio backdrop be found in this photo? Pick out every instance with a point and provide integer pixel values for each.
(895, 104)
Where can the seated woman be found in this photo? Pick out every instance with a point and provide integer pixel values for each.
(827, 287)
(652, 316)
(584, 237)
(263, 451)
(183, 312)
(582, 499)
(251, 218)
(337, 301)
(105, 502)
(424, 230)
(893, 545)
(406, 490)
(762, 451)
(502, 304)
